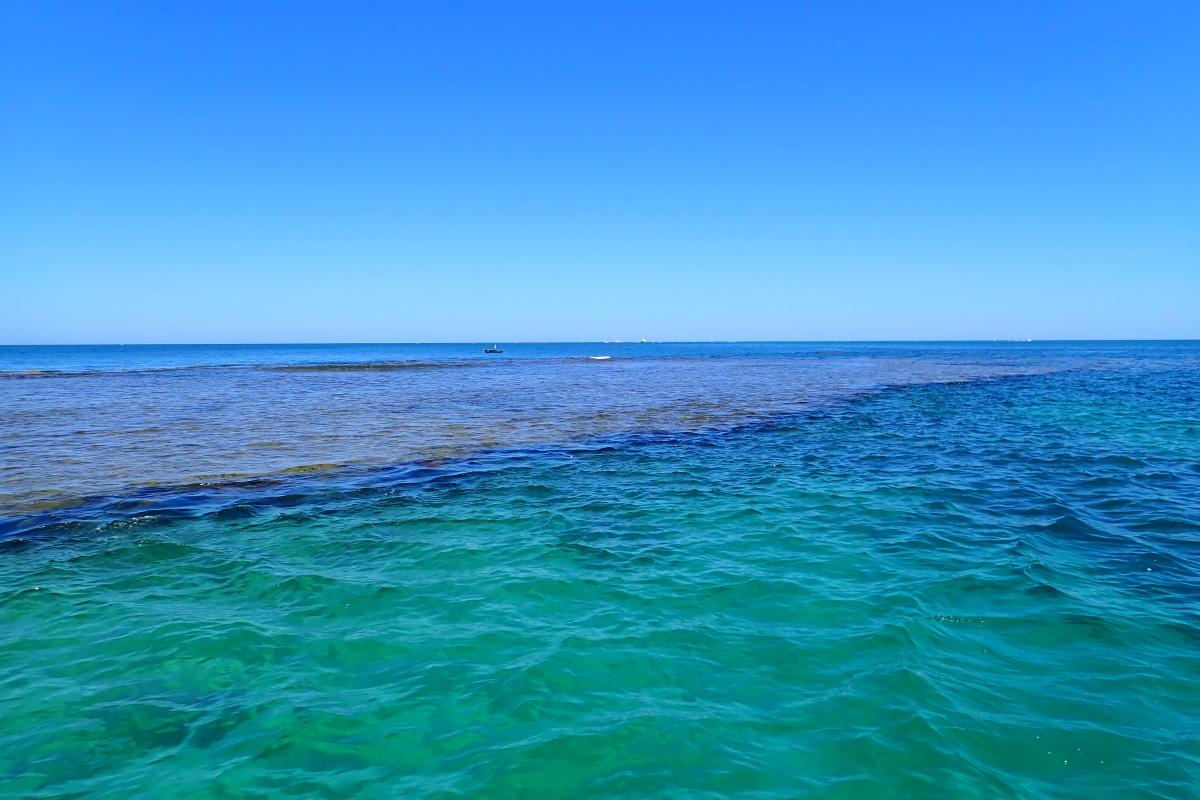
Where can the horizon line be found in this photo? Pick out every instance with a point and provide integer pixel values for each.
(514, 342)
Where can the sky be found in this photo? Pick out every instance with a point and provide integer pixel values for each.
(448, 171)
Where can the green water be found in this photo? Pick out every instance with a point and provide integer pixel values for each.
(976, 590)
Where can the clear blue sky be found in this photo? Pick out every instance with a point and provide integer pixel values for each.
(443, 171)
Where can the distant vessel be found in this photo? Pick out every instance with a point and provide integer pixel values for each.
(493, 349)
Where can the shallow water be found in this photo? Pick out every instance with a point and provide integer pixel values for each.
(93, 423)
(856, 571)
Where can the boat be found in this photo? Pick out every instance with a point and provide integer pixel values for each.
(493, 349)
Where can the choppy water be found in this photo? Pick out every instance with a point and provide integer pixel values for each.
(833, 571)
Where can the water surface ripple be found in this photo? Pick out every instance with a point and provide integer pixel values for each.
(866, 571)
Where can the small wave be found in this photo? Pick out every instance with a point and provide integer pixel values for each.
(26, 374)
(348, 366)
(380, 366)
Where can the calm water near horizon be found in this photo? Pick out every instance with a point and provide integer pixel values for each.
(831, 570)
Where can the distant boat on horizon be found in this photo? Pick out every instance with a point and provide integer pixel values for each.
(493, 349)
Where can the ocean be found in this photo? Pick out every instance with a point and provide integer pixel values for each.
(765, 570)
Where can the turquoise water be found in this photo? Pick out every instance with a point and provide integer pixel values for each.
(857, 571)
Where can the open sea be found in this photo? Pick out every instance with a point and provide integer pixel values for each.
(753, 570)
